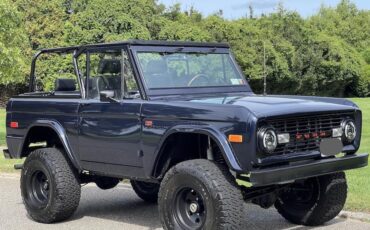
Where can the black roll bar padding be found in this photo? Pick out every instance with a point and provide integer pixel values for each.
(32, 75)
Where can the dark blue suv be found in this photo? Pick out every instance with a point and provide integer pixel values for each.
(180, 121)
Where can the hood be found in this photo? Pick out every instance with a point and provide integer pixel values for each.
(267, 106)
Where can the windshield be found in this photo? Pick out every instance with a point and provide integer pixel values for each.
(169, 70)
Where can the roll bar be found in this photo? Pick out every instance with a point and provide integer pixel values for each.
(59, 51)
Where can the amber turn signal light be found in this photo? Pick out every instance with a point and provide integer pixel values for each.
(236, 138)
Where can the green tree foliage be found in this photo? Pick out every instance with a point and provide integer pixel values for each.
(329, 66)
(13, 65)
(344, 21)
(326, 54)
(43, 21)
(107, 21)
(183, 26)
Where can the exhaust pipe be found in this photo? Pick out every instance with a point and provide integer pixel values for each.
(18, 166)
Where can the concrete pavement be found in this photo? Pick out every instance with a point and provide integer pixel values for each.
(120, 208)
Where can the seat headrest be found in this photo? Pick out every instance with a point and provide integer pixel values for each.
(156, 67)
(65, 84)
(111, 66)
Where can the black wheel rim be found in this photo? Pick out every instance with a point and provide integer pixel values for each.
(189, 209)
(302, 195)
(39, 189)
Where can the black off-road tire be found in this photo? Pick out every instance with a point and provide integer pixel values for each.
(221, 196)
(146, 191)
(330, 199)
(62, 187)
(106, 183)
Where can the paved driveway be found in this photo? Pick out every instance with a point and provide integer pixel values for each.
(120, 208)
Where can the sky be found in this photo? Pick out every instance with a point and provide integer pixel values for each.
(233, 9)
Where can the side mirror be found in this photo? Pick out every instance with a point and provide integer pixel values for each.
(107, 96)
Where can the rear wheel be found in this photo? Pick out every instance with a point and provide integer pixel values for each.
(146, 191)
(199, 194)
(313, 201)
(50, 189)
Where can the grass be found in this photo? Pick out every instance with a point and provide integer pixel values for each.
(358, 180)
(7, 165)
(2, 127)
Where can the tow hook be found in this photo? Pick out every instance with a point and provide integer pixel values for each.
(18, 166)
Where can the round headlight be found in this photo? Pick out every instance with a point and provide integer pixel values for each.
(268, 140)
(349, 130)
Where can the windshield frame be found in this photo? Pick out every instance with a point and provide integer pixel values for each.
(188, 90)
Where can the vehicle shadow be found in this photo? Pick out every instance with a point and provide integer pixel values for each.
(122, 205)
(119, 204)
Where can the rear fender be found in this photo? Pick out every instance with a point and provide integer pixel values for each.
(60, 131)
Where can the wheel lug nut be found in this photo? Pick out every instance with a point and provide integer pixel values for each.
(193, 207)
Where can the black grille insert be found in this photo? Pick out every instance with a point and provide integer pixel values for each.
(314, 123)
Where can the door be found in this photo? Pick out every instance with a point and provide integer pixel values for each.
(109, 131)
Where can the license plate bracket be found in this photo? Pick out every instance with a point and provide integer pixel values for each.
(330, 146)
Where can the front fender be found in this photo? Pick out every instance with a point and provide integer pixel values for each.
(212, 132)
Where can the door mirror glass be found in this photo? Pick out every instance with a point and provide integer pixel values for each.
(107, 96)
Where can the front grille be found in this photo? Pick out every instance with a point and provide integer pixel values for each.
(314, 123)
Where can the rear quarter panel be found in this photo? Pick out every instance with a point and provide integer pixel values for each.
(28, 111)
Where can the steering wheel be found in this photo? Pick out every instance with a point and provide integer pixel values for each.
(196, 77)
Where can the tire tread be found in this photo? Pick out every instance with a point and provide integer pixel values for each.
(224, 188)
(333, 194)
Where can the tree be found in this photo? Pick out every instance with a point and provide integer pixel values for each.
(183, 26)
(44, 22)
(13, 43)
(105, 21)
(251, 14)
(328, 66)
(344, 21)
(326, 54)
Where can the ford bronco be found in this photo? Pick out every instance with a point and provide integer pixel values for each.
(179, 120)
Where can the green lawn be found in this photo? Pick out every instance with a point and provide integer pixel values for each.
(2, 127)
(358, 180)
(6, 165)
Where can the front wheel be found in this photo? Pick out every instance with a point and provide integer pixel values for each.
(199, 194)
(313, 201)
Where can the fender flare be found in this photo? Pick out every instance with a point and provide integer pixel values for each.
(213, 133)
(60, 131)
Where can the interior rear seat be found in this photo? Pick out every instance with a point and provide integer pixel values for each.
(65, 86)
